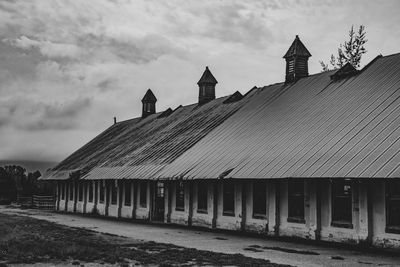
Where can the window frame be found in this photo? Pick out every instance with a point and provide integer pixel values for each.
(128, 193)
(71, 192)
(339, 197)
(228, 198)
(202, 197)
(180, 196)
(91, 193)
(62, 191)
(102, 194)
(114, 194)
(259, 213)
(80, 192)
(143, 194)
(390, 197)
(294, 198)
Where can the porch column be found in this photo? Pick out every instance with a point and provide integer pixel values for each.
(75, 190)
(363, 210)
(272, 211)
(310, 211)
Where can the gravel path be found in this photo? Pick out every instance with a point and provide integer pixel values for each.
(276, 251)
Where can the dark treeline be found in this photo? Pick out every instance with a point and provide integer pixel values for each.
(16, 181)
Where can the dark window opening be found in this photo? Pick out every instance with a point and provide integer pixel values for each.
(128, 193)
(229, 198)
(393, 207)
(62, 191)
(296, 201)
(114, 194)
(143, 194)
(180, 196)
(80, 192)
(102, 189)
(202, 197)
(259, 199)
(90, 191)
(71, 191)
(342, 203)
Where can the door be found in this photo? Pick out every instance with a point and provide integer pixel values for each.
(158, 208)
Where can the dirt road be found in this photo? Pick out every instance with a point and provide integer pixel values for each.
(276, 251)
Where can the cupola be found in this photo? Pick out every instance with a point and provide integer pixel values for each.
(206, 84)
(296, 61)
(149, 104)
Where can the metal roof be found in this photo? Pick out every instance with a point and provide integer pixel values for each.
(315, 127)
(139, 147)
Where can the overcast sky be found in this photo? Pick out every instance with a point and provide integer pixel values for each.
(68, 67)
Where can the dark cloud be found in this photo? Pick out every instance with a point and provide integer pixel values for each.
(66, 110)
(26, 115)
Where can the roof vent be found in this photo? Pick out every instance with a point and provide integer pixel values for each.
(225, 173)
(296, 61)
(346, 71)
(149, 104)
(236, 96)
(166, 113)
(206, 84)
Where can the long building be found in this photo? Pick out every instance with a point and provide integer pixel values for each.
(316, 156)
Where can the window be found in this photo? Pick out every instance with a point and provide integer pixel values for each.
(341, 203)
(127, 194)
(203, 90)
(202, 197)
(229, 198)
(180, 196)
(62, 191)
(143, 194)
(90, 191)
(296, 201)
(71, 191)
(114, 194)
(259, 199)
(393, 207)
(80, 192)
(102, 189)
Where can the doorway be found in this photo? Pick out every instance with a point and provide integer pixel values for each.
(159, 203)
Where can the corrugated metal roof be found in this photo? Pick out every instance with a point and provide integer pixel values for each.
(313, 128)
(124, 172)
(141, 147)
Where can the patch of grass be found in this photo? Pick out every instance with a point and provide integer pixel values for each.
(28, 240)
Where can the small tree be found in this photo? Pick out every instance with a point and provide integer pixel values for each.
(350, 51)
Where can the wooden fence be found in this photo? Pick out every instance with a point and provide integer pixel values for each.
(39, 202)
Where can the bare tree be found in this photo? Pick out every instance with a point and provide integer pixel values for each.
(350, 51)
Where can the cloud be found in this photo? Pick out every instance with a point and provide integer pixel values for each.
(28, 115)
(47, 48)
(68, 67)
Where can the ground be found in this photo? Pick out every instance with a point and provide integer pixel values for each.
(55, 238)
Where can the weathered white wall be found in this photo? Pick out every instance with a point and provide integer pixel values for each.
(199, 218)
(255, 224)
(127, 210)
(90, 205)
(230, 222)
(303, 230)
(276, 212)
(379, 236)
(143, 212)
(359, 232)
(179, 216)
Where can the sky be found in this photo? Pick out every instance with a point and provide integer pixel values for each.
(68, 67)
